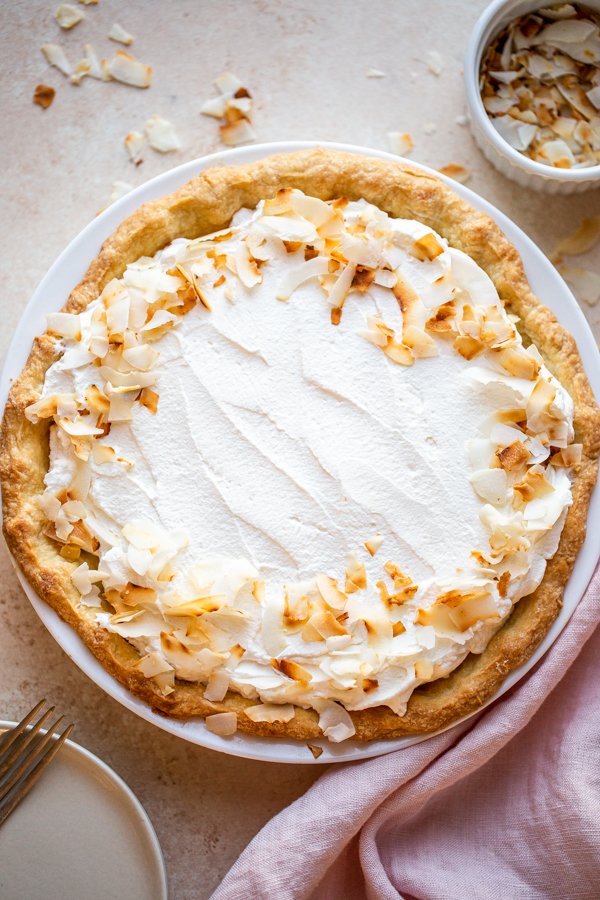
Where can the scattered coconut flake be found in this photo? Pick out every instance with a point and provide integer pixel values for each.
(135, 142)
(119, 189)
(55, 56)
(374, 543)
(456, 171)
(127, 69)
(585, 283)
(435, 62)
(240, 132)
(223, 724)
(88, 2)
(117, 33)
(95, 69)
(375, 73)
(461, 120)
(161, 134)
(68, 16)
(583, 239)
(43, 95)
(400, 142)
(315, 750)
(334, 720)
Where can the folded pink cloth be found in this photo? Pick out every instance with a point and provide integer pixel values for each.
(505, 805)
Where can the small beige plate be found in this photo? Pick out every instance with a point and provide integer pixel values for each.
(80, 833)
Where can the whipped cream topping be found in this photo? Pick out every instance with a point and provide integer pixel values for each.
(314, 514)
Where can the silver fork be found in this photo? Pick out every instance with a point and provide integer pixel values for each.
(25, 751)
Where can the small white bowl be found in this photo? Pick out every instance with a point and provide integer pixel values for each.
(508, 161)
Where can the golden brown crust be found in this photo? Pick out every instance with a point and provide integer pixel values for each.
(203, 205)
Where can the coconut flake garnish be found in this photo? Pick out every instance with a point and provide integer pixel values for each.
(400, 142)
(585, 283)
(43, 95)
(583, 239)
(56, 57)
(223, 724)
(456, 171)
(135, 142)
(119, 189)
(161, 134)
(68, 16)
(375, 73)
(117, 33)
(435, 62)
(127, 69)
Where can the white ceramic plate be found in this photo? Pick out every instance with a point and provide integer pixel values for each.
(53, 291)
(80, 832)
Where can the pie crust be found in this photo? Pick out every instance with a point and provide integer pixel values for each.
(203, 205)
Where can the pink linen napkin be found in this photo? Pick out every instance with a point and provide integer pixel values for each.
(505, 805)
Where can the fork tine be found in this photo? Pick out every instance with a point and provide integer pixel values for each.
(21, 767)
(9, 737)
(7, 806)
(20, 745)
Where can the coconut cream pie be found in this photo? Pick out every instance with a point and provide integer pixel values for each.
(303, 454)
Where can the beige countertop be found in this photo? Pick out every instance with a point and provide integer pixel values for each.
(305, 64)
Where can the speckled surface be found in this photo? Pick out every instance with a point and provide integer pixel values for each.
(305, 63)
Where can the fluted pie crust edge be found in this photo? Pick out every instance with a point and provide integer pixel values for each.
(206, 204)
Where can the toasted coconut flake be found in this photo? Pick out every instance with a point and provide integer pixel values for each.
(490, 485)
(68, 16)
(315, 750)
(43, 95)
(297, 275)
(117, 33)
(223, 724)
(161, 134)
(468, 347)
(135, 142)
(215, 107)
(326, 624)
(356, 576)
(374, 543)
(228, 83)
(334, 720)
(119, 189)
(400, 142)
(584, 282)
(568, 456)
(55, 56)
(331, 594)
(514, 456)
(127, 69)
(292, 669)
(427, 246)
(271, 712)
(93, 65)
(65, 324)
(516, 361)
(149, 399)
(398, 353)
(582, 240)
(435, 62)
(236, 133)
(456, 171)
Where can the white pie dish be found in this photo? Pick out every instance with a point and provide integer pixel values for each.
(515, 165)
(52, 292)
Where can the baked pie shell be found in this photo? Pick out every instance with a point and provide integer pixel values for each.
(205, 204)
